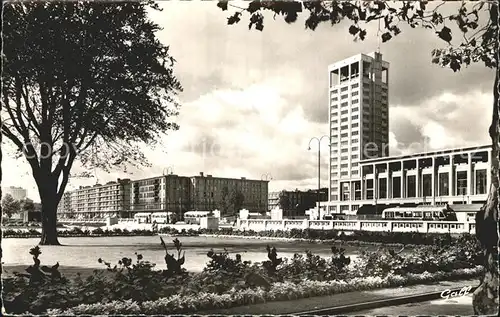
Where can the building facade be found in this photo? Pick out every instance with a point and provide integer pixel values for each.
(296, 202)
(98, 201)
(167, 193)
(18, 193)
(359, 106)
(364, 179)
(208, 192)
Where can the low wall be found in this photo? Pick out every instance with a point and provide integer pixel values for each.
(359, 225)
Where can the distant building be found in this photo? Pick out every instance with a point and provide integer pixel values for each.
(18, 193)
(295, 203)
(170, 193)
(98, 201)
(207, 192)
(166, 193)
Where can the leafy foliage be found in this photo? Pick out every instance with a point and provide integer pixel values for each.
(274, 261)
(38, 289)
(204, 301)
(174, 266)
(231, 201)
(284, 201)
(237, 199)
(10, 206)
(477, 39)
(27, 205)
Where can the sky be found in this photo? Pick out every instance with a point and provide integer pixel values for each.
(252, 100)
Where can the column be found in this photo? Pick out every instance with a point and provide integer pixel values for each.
(353, 191)
(451, 186)
(375, 191)
(469, 174)
(363, 196)
(389, 182)
(433, 180)
(417, 180)
(403, 179)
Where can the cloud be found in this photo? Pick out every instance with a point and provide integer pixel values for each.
(447, 120)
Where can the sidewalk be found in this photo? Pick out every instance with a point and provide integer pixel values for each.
(460, 306)
(312, 303)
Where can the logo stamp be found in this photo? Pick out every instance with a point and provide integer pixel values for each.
(447, 293)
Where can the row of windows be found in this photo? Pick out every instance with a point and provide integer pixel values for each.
(344, 158)
(344, 127)
(343, 120)
(344, 112)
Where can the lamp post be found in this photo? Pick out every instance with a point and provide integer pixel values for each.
(265, 177)
(167, 169)
(319, 164)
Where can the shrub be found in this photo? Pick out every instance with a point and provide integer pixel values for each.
(97, 231)
(42, 287)
(174, 266)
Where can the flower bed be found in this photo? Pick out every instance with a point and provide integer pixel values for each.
(137, 288)
(278, 292)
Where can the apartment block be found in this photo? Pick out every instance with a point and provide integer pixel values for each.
(166, 193)
(98, 201)
(163, 193)
(207, 192)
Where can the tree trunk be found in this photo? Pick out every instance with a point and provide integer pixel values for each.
(485, 298)
(49, 225)
(48, 196)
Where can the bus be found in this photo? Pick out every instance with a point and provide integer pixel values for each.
(418, 213)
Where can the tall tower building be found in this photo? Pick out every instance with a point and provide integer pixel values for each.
(359, 122)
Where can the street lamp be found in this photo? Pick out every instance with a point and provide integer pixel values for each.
(266, 177)
(319, 164)
(167, 169)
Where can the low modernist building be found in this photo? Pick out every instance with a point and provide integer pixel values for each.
(455, 176)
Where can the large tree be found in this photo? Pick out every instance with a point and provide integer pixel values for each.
(85, 81)
(284, 202)
(224, 204)
(236, 199)
(10, 206)
(475, 41)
